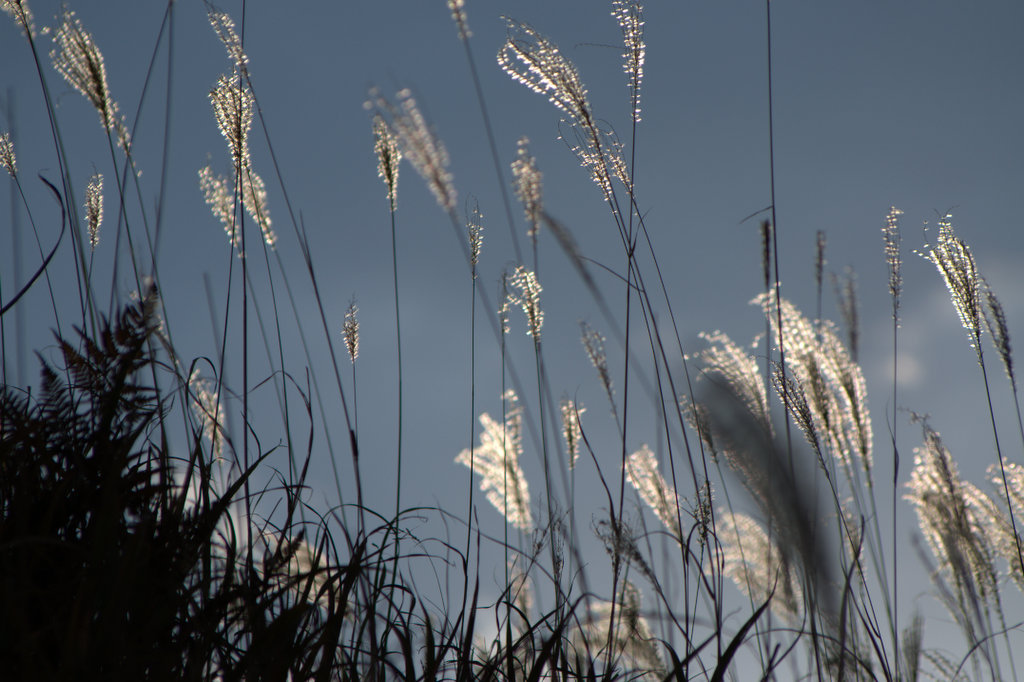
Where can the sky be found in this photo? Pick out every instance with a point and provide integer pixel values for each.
(914, 104)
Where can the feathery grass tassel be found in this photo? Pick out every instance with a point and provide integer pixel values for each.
(458, 8)
(219, 197)
(475, 232)
(385, 146)
(629, 15)
(524, 291)
(571, 429)
(8, 160)
(233, 108)
(892, 239)
(80, 62)
(642, 470)
(350, 331)
(527, 180)
(94, 208)
(224, 27)
(22, 15)
(953, 259)
(418, 143)
(496, 459)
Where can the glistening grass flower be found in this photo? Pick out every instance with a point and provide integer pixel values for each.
(254, 199)
(955, 262)
(385, 146)
(593, 343)
(207, 409)
(524, 291)
(632, 637)
(458, 8)
(22, 15)
(756, 566)
(350, 331)
(233, 107)
(224, 27)
(80, 62)
(571, 430)
(219, 197)
(629, 15)
(834, 384)
(496, 459)
(949, 520)
(418, 143)
(527, 180)
(94, 208)
(642, 470)
(536, 62)
(725, 360)
(7, 157)
(475, 231)
(891, 236)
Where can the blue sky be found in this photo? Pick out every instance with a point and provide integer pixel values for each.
(914, 104)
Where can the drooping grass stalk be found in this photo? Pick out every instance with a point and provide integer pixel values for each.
(955, 262)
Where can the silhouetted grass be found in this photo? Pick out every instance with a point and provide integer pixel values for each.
(142, 538)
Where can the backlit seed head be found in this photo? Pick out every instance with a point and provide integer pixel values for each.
(351, 331)
(220, 198)
(22, 15)
(571, 430)
(524, 291)
(955, 262)
(475, 229)
(94, 208)
(80, 62)
(629, 15)
(458, 8)
(224, 27)
(418, 143)
(891, 236)
(385, 146)
(233, 107)
(496, 460)
(7, 158)
(527, 180)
